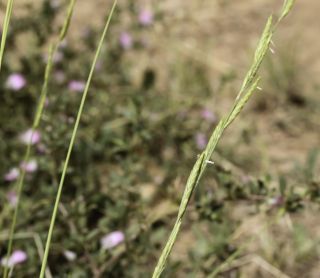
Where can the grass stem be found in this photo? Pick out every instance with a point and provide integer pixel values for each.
(73, 136)
(5, 29)
(52, 49)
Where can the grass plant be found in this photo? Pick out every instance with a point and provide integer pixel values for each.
(42, 98)
(248, 87)
(71, 144)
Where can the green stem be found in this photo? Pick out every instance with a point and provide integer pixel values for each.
(27, 155)
(52, 49)
(73, 136)
(5, 29)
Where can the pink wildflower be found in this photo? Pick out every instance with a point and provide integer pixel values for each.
(145, 17)
(16, 82)
(76, 86)
(17, 257)
(111, 240)
(30, 166)
(30, 135)
(125, 40)
(12, 175)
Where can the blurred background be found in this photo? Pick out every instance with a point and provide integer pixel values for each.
(168, 71)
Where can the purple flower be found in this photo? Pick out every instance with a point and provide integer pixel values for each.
(208, 115)
(125, 40)
(145, 17)
(111, 240)
(76, 86)
(12, 198)
(30, 136)
(30, 166)
(16, 82)
(201, 141)
(70, 255)
(12, 175)
(17, 257)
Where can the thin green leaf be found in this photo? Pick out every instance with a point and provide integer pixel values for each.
(286, 8)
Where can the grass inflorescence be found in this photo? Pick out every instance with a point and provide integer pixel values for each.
(249, 85)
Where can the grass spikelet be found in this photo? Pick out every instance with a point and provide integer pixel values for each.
(287, 6)
(260, 53)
